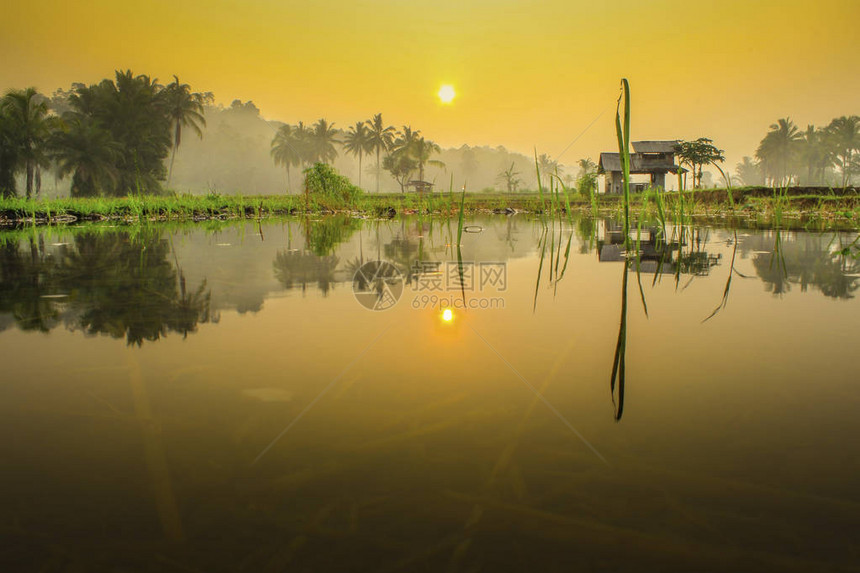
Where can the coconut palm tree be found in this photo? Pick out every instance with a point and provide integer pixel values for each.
(287, 147)
(381, 139)
(357, 142)
(421, 150)
(30, 126)
(843, 137)
(548, 166)
(184, 108)
(87, 152)
(779, 149)
(322, 140)
(587, 178)
(815, 155)
(749, 172)
(133, 109)
(9, 157)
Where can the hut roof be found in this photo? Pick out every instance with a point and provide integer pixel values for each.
(638, 164)
(654, 146)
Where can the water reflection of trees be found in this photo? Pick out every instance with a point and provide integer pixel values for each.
(25, 284)
(316, 263)
(299, 269)
(117, 284)
(806, 260)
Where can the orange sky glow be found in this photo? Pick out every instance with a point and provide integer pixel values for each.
(526, 73)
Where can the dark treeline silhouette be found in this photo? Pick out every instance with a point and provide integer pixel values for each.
(116, 284)
(112, 138)
(787, 155)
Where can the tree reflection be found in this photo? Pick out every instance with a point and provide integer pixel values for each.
(27, 289)
(299, 269)
(805, 260)
(116, 283)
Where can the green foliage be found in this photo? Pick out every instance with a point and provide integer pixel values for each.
(401, 167)
(133, 109)
(696, 154)
(322, 180)
(25, 128)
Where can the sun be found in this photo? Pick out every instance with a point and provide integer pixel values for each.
(447, 93)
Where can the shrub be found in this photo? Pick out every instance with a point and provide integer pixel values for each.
(323, 180)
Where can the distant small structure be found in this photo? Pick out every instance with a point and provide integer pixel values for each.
(421, 186)
(654, 158)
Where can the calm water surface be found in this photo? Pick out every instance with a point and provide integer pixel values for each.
(220, 400)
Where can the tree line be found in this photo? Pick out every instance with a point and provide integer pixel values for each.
(406, 151)
(787, 155)
(113, 138)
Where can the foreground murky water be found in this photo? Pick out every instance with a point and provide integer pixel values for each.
(221, 400)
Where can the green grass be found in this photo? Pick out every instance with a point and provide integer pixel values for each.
(819, 207)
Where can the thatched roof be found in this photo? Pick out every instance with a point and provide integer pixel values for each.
(654, 146)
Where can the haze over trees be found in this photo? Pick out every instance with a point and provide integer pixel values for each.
(124, 135)
(787, 155)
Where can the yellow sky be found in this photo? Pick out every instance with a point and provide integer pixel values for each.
(527, 73)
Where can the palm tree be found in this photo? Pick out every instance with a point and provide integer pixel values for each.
(323, 138)
(184, 108)
(381, 139)
(87, 152)
(422, 149)
(815, 154)
(9, 156)
(357, 142)
(778, 149)
(587, 179)
(586, 166)
(30, 127)
(287, 147)
(548, 166)
(843, 137)
(133, 109)
(749, 172)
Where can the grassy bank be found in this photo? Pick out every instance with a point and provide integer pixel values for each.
(749, 202)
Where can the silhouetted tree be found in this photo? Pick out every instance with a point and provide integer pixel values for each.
(322, 140)
(133, 109)
(381, 139)
(287, 148)
(843, 138)
(87, 152)
(184, 108)
(357, 142)
(28, 128)
(749, 172)
(778, 151)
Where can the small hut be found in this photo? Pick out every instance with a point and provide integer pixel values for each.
(421, 186)
(654, 158)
